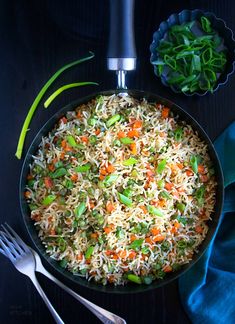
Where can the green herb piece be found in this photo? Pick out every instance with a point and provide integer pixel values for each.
(69, 184)
(126, 140)
(134, 278)
(147, 280)
(194, 163)
(83, 168)
(125, 200)
(71, 140)
(127, 192)
(110, 179)
(120, 232)
(38, 99)
(130, 161)
(135, 245)
(200, 195)
(181, 207)
(178, 133)
(154, 211)
(93, 139)
(59, 164)
(165, 195)
(145, 250)
(161, 166)
(114, 119)
(58, 173)
(89, 252)
(80, 209)
(48, 200)
(63, 263)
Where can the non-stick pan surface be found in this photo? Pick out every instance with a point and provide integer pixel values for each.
(130, 288)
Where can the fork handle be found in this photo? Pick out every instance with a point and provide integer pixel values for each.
(54, 313)
(104, 315)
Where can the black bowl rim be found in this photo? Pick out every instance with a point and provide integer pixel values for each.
(47, 127)
(153, 47)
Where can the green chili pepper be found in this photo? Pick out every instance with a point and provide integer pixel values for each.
(48, 200)
(58, 173)
(154, 211)
(89, 252)
(134, 278)
(110, 179)
(130, 161)
(83, 168)
(126, 140)
(71, 140)
(113, 120)
(161, 166)
(125, 200)
(136, 244)
(194, 163)
(80, 210)
(181, 207)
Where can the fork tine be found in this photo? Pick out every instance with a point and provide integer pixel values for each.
(9, 244)
(14, 240)
(6, 250)
(3, 252)
(18, 239)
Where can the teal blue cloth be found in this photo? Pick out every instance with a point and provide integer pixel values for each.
(207, 290)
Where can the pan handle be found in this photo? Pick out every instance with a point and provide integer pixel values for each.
(121, 50)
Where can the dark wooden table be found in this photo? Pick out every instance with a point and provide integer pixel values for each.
(38, 37)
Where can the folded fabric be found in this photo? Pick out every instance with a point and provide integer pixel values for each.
(207, 290)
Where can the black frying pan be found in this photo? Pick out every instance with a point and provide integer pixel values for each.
(121, 58)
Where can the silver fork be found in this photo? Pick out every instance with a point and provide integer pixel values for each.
(27, 261)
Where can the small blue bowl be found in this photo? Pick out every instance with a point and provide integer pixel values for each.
(217, 24)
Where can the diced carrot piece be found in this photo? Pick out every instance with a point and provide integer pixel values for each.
(29, 177)
(103, 171)
(121, 134)
(52, 231)
(167, 268)
(97, 131)
(110, 168)
(154, 231)
(133, 133)
(36, 217)
(91, 204)
(48, 182)
(162, 134)
(79, 257)
(110, 207)
(64, 120)
(204, 178)
(199, 229)
(101, 177)
(177, 225)
(137, 124)
(144, 209)
(161, 203)
(74, 177)
(51, 167)
(133, 148)
(114, 256)
(165, 112)
(84, 139)
(201, 168)
(94, 235)
(108, 252)
(189, 173)
(132, 255)
(107, 230)
(111, 278)
(63, 143)
(158, 238)
(148, 240)
(180, 165)
(79, 114)
(122, 254)
(169, 186)
(133, 237)
(62, 155)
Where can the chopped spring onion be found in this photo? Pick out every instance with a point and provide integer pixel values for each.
(126, 140)
(125, 200)
(48, 200)
(135, 245)
(71, 140)
(110, 179)
(134, 278)
(161, 166)
(181, 207)
(80, 210)
(58, 173)
(155, 211)
(130, 161)
(89, 252)
(194, 163)
(83, 168)
(113, 120)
